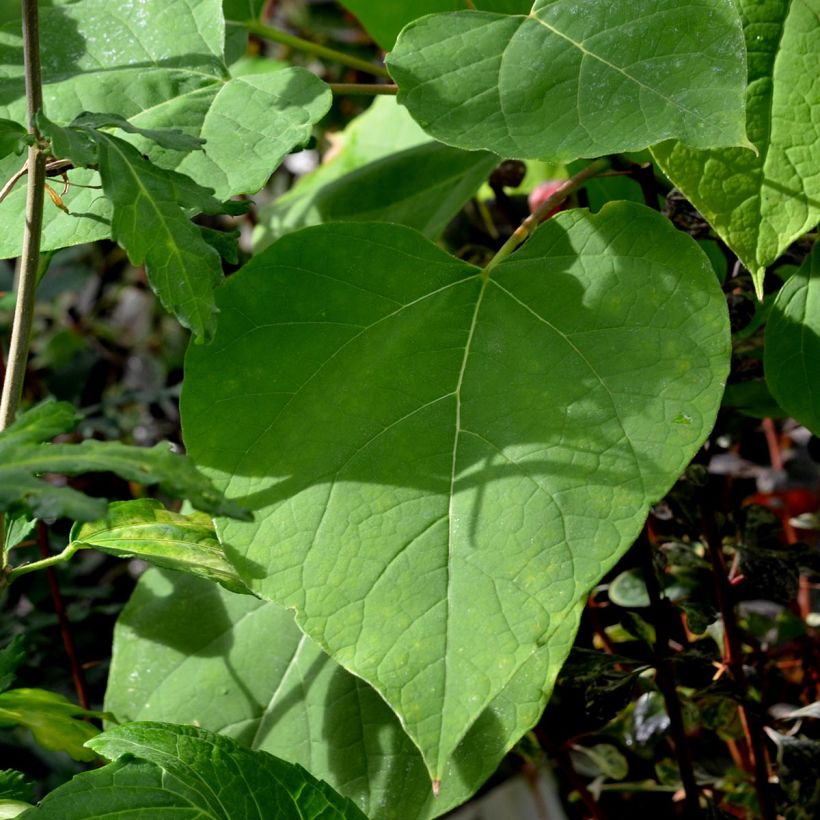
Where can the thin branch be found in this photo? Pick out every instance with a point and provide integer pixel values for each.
(666, 679)
(528, 226)
(364, 89)
(290, 40)
(15, 178)
(45, 563)
(77, 673)
(733, 657)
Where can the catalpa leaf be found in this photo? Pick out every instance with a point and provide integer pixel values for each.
(150, 223)
(24, 455)
(442, 463)
(761, 202)
(299, 704)
(183, 772)
(576, 79)
(384, 21)
(792, 351)
(55, 722)
(158, 77)
(145, 529)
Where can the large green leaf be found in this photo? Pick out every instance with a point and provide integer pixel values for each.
(182, 772)
(442, 464)
(576, 79)
(384, 128)
(56, 722)
(422, 187)
(145, 529)
(792, 351)
(159, 67)
(759, 204)
(384, 21)
(25, 455)
(263, 682)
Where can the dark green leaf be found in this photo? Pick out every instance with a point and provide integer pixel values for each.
(11, 656)
(15, 786)
(182, 772)
(13, 137)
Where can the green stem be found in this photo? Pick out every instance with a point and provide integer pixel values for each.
(290, 40)
(30, 260)
(34, 566)
(366, 89)
(528, 226)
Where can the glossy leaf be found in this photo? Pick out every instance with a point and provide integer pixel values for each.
(384, 128)
(145, 529)
(105, 58)
(296, 702)
(422, 187)
(792, 350)
(384, 21)
(443, 464)
(25, 454)
(56, 723)
(576, 79)
(759, 204)
(183, 772)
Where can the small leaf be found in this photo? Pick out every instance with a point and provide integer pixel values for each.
(791, 356)
(15, 785)
(183, 772)
(17, 529)
(601, 759)
(150, 223)
(629, 590)
(145, 529)
(573, 80)
(649, 719)
(55, 721)
(170, 138)
(13, 137)
(761, 202)
(11, 656)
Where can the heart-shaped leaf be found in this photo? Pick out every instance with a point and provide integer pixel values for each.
(760, 203)
(576, 79)
(443, 463)
(296, 702)
(792, 351)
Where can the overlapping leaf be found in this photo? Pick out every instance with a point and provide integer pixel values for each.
(576, 79)
(792, 351)
(759, 204)
(384, 21)
(182, 772)
(156, 74)
(25, 455)
(296, 702)
(145, 529)
(441, 463)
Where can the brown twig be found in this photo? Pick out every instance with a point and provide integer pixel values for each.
(665, 677)
(733, 658)
(77, 673)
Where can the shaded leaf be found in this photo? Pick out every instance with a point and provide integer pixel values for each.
(15, 785)
(145, 529)
(12, 138)
(56, 723)
(760, 203)
(296, 702)
(629, 589)
(602, 759)
(792, 351)
(408, 519)
(576, 79)
(11, 656)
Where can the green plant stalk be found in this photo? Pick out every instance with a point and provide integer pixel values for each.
(363, 89)
(277, 36)
(34, 566)
(528, 226)
(30, 260)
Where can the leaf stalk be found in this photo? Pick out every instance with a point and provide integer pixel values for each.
(364, 89)
(292, 41)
